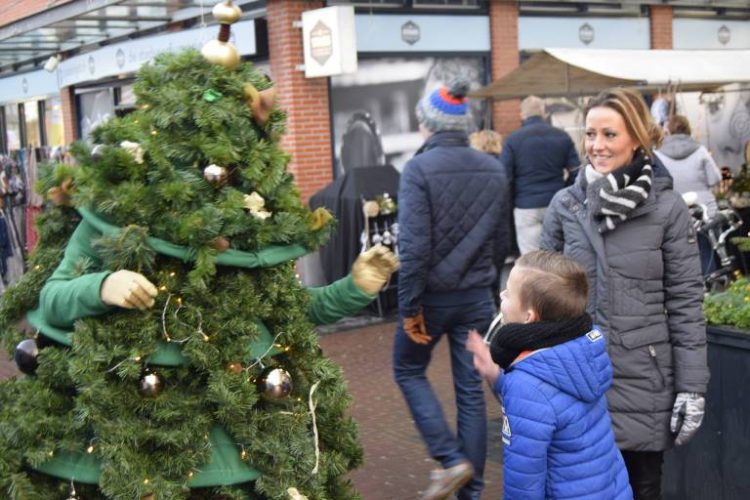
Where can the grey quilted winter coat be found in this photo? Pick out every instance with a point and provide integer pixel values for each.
(646, 294)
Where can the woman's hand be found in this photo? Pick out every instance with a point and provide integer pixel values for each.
(482, 357)
(128, 289)
(687, 415)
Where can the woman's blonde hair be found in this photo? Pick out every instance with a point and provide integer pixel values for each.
(630, 105)
(488, 141)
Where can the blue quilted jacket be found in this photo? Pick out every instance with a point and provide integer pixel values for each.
(453, 224)
(557, 434)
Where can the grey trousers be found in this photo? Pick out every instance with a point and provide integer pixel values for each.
(528, 228)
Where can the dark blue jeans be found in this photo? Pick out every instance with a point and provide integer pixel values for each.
(410, 361)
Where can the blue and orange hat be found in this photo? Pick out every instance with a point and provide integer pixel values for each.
(445, 108)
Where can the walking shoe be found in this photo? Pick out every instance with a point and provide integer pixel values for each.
(445, 482)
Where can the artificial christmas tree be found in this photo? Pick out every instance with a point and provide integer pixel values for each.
(175, 355)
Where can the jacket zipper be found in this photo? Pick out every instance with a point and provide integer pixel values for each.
(652, 353)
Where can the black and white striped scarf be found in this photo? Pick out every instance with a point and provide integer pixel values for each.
(612, 197)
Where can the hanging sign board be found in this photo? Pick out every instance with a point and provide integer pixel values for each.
(329, 41)
(127, 57)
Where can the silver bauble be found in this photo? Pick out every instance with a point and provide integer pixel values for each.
(151, 384)
(275, 384)
(25, 356)
(215, 174)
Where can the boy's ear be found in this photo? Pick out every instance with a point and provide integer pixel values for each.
(531, 316)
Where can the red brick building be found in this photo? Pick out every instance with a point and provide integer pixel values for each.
(396, 40)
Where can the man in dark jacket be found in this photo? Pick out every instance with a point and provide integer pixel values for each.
(538, 158)
(453, 202)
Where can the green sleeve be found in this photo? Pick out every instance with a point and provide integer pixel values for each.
(69, 295)
(337, 300)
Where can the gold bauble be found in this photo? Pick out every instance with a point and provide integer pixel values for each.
(235, 367)
(221, 53)
(151, 384)
(275, 384)
(226, 12)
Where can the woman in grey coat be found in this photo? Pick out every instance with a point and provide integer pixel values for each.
(633, 233)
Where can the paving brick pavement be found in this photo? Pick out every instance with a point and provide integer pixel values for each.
(396, 463)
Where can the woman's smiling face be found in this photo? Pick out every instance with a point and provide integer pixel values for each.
(608, 143)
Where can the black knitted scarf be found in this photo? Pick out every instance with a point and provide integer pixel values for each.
(514, 338)
(618, 193)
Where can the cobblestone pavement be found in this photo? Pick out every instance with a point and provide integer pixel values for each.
(397, 465)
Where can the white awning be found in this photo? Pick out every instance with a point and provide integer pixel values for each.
(576, 72)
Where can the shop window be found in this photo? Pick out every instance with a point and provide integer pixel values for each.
(374, 122)
(12, 127)
(96, 107)
(54, 125)
(31, 116)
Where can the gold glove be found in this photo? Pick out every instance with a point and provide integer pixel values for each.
(372, 269)
(416, 330)
(128, 289)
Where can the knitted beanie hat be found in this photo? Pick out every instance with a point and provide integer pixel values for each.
(445, 107)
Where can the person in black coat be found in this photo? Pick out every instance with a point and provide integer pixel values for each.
(453, 203)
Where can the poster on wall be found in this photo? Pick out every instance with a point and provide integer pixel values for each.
(373, 109)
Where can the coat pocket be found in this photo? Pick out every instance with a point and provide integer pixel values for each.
(651, 355)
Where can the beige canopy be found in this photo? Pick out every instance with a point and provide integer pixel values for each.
(576, 72)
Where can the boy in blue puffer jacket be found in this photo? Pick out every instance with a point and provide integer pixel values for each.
(557, 433)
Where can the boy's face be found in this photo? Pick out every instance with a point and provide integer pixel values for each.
(510, 300)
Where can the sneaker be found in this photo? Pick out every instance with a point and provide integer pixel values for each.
(445, 482)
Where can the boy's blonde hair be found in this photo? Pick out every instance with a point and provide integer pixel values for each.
(553, 285)
(488, 141)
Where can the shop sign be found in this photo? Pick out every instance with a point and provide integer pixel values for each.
(724, 34)
(329, 40)
(410, 32)
(393, 33)
(321, 43)
(586, 33)
(540, 32)
(128, 57)
(28, 86)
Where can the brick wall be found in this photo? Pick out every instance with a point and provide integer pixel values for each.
(660, 26)
(504, 43)
(69, 114)
(308, 138)
(13, 10)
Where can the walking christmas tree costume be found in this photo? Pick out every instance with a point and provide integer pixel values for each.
(175, 355)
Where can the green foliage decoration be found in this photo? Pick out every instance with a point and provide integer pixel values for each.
(730, 307)
(85, 398)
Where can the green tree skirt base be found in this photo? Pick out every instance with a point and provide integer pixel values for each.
(224, 468)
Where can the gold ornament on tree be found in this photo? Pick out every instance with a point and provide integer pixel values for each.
(220, 51)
